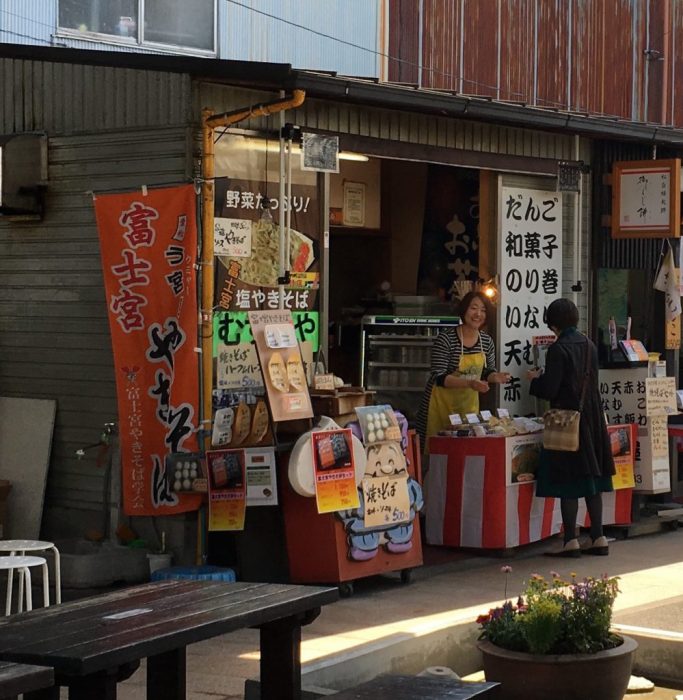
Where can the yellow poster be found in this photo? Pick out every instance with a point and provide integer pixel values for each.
(227, 489)
(623, 442)
(335, 474)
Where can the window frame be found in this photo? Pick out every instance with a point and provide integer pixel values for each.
(138, 41)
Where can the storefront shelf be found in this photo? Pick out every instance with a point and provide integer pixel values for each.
(396, 388)
(419, 365)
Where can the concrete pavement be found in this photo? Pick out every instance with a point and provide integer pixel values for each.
(390, 627)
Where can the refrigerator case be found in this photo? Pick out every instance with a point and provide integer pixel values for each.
(395, 357)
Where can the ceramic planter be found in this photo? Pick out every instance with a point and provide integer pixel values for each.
(603, 675)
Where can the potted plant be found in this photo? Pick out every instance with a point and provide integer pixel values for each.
(556, 641)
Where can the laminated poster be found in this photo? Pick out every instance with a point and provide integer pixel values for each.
(622, 440)
(281, 364)
(335, 472)
(227, 489)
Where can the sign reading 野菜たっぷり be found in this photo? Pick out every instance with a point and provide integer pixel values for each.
(148, 242)
(530, 265)
(646, 199)
(247, 211)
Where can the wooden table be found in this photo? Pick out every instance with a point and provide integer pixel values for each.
(92, 642)
(21, 678)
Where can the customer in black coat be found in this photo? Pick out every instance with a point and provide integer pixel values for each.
(588, 472)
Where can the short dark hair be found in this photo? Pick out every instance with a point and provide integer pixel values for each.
(465, 302)
(562, 314)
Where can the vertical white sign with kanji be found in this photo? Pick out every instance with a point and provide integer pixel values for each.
(623, 393)
(530, 267)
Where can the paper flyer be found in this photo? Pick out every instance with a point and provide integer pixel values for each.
(227, 489)
(335, 474)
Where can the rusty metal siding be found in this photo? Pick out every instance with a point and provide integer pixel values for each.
(65, 98)
(614, 57)
(404, 41)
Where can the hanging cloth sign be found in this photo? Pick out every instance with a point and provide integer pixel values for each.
(148, 242)
(667, 281)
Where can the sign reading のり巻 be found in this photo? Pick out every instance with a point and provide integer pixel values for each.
(530, 265)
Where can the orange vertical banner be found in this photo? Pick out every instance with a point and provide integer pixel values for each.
(148, 242)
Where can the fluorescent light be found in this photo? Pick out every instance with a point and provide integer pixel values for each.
(274, 147)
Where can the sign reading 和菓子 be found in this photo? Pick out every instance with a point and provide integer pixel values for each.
(149, 242)
(530, 265)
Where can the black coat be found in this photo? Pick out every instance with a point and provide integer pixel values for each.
(561, 385)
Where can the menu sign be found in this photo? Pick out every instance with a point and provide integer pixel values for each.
(660, 396)
(623, 395)
(281, 364)
(530, 264)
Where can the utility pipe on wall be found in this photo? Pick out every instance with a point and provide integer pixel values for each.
(209, 122)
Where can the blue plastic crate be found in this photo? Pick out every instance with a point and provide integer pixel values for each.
(195, 573)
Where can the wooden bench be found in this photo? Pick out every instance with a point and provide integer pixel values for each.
(22, 678)
(90, 642)
(422, 687)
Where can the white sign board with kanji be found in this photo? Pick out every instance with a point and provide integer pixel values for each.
(623, 394)
(530, 265)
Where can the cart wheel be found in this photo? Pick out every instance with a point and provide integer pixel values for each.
(406, 576)
(346, 589)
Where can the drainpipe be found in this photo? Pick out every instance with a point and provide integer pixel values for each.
(229, 118)
(209, 122)
(207, 275)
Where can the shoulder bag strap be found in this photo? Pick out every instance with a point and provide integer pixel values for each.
(586, 371)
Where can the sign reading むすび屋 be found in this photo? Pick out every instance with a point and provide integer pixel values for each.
(530, 265)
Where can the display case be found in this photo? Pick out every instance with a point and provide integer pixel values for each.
(395, 357)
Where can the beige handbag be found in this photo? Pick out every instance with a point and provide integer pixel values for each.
(561, 425)
(561, 430)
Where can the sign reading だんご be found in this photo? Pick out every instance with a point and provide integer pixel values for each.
(530, 265)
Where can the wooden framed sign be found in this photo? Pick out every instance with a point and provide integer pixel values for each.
(646, 199)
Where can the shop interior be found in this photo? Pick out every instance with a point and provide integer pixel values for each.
(418, 233)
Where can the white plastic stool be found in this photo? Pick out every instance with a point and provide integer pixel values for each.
(20, 547)
(22, 565)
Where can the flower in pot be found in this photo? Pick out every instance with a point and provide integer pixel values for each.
(556, 641)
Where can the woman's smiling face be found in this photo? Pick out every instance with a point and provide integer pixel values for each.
(475, 316)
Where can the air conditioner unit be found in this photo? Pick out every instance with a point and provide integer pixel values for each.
(23, 175)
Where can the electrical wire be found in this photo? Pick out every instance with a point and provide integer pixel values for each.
(27, 36)
(363, 48)
(540, 101)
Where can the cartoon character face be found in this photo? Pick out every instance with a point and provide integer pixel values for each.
(386, 459)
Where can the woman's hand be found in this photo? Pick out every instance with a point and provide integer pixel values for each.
(479, 386)
(534, 373)
(498, 377)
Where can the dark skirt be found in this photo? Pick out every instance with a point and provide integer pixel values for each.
(576, 488)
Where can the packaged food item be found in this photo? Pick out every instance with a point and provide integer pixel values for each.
(278, 373)
(259, 424)
(242, 425)
(295, 373)
(219, 472)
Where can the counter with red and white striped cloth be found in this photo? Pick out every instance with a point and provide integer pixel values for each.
(473, 500)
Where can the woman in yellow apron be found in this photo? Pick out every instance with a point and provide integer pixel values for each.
(463, 366)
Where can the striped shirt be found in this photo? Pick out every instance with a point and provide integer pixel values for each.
(446, 353)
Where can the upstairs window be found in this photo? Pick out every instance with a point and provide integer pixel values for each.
(183, 24)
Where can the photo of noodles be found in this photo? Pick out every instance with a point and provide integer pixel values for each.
(261, 269)
(525, 462)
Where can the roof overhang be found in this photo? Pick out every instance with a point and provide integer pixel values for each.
(369, 92)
